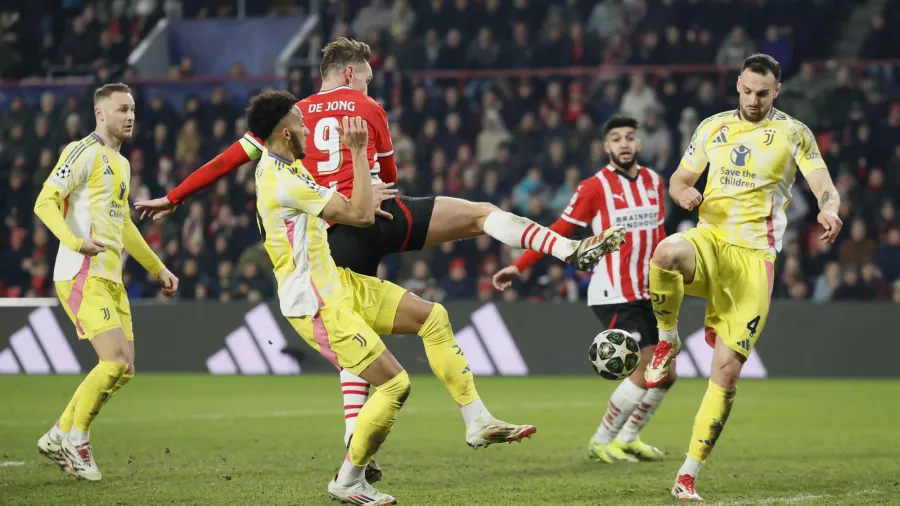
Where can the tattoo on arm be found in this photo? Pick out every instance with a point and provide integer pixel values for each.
(828, 200)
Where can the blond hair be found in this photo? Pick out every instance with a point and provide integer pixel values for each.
(341, 52)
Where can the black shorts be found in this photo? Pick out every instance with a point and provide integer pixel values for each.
(635, 317)
(361, 249)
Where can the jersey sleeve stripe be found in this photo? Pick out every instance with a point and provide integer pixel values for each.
(79, 150)
(573, 221)
(249, 138)
(383, 155)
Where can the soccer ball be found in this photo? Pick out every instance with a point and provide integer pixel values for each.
(614, 354)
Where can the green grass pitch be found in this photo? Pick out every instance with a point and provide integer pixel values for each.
(277, 441)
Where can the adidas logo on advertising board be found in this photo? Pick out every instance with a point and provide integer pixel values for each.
(254, 348)
(39, 348)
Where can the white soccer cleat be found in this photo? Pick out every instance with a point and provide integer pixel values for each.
(359, 493)
(497, 431)
(683, 490)
(53, 451)
(81, 459)
(592, 249)
(658, 368)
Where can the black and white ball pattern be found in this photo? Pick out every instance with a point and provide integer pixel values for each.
(614, 354)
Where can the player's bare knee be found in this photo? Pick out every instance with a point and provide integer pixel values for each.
(666, 255)
(481, 210)
(672, 254)
(130, 370)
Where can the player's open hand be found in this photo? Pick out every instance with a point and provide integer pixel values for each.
(380, 193)
(169, 282)
(354, 132)
(689, 198)
(156, 208)
(505, 276)
(832, 225)
(92, 247)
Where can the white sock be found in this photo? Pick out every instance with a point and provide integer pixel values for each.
(641, 414)
(690, 466)
(77, 437)
(56, 434)
(622, 402)
(350, 474)
(670, 335)
(520, 232)
(474, 412)
(356, 391)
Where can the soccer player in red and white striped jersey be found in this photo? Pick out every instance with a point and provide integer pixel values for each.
(629, 195)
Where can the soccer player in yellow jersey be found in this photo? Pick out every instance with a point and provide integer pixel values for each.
(85, 204)
(753, 155)
(341, 313)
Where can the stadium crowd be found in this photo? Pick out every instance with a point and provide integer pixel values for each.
(523, 143)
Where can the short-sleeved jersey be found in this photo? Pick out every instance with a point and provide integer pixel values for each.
(326, 159)
(610, 198)
(288, 204)
(752, 167)
(94, 182)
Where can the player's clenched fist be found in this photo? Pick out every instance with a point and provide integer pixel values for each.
(689, 198)
(354, 132)
(169, 282)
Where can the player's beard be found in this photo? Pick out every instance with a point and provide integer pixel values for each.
(623, 165)
(757, 116)
(297, 148)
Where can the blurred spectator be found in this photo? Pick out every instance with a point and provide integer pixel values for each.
(735, 48)
(858, 249)
(639, 100)
(458, 284)
(375, 15)
(852, 288)
(778, 47)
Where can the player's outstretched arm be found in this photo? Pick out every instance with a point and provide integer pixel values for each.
(239, 153)
(681, 188)
(829, 202)
(359, 209)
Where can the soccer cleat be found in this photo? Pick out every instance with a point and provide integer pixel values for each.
(358, 493)
(496, 431)
(641, 450)
(81, 459)
(590, 250)
(610, 453)
(683, 490)
(53, 451)
(658, 368)
(373, 471)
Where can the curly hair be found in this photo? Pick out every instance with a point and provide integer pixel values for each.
(266, 110)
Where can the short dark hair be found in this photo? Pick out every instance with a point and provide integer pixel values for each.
(763, 64)
(266, 111)
(107, 91)
(342, 52)
(619, 121)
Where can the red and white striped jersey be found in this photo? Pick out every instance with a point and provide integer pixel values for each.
(611, 198)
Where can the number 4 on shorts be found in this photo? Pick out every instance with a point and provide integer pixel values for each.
(752, 324)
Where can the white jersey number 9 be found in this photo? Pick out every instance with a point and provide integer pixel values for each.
(328, 139)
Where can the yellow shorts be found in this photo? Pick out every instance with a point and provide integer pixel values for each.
(737, 285)
(95, 306)
(346, 331)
